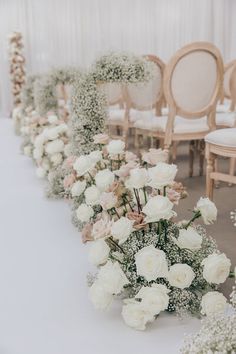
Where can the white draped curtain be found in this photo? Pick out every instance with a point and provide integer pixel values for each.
(75, 32)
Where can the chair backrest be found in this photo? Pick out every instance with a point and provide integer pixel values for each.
(113, 92)
(232, 87)
(227, 74)
(193, 82)
(148, 95)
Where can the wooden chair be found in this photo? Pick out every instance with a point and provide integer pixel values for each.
(222, 143)
(225, 111)
(63, 97)
(114, 93)
(192, 86)
(145, 100)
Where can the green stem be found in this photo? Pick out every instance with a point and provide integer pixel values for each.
(195, 216)
(115, 245)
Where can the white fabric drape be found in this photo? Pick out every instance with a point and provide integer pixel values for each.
(74, 32)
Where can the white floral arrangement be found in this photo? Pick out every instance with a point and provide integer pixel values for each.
(124, 206)
(17, 65)
(45, 96)
(89, 109)
(50, 147)
(218, 330)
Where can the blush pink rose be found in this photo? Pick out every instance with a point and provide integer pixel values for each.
(125, 169)
(108, 200)
(102, 228)
(69, 180)
(87, 233)
(101, 139)
(130, 156)
(153, 156)
(70, 161)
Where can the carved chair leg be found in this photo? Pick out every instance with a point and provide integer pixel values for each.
(174, 150)
(232, 162)
(201, 156)
(209, 181)
(216, 182)
(191, 157)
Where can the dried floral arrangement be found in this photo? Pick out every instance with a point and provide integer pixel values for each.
(17, 66)
(124, 206)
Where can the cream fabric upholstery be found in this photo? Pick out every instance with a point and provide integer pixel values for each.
(119, 114)
(181, 125)
(226, 119)
(144, 95)
(198, 71)
(222, 137)
(223, 108)
(112, 91)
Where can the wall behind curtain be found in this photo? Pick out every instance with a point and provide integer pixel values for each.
(75, 32)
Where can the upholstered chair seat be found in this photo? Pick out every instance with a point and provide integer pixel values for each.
(223, 137)
(226, 119)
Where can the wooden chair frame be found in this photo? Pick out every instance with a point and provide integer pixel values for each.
(213, 151)
(169, 137)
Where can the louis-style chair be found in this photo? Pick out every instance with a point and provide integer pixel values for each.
(192, 86)
(146, 100)
(225, 111)
(222, 143)
(63, 92)
(114, 93)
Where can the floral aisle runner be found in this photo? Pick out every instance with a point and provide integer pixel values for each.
(123, 204)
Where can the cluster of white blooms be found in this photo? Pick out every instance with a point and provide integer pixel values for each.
(50, 146)
(218, 330)
(125, 211)
(89, 111)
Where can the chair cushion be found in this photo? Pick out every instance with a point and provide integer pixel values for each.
(226, 119)
(222, 137)
(181, 125)
(223, 108)
(119, 114)
(116, 114)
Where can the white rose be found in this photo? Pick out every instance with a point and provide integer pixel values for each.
(121, 229)
(78, 188)
(40, 172)
(138, 178)
(95, 156)
(56, 159)
(136, 315)
(181, 275)
(189, 239)
(68, 150)
(52, 118)
(98, 252)
(151, 263)
(216, 268)
(161, 175)
(39, 141)
(54, 146)
(45, 164)
(100, 298)
(83, 165)
(62, 128)
(207, 209)
(104, 179)
(154, 298)
(27, 150)
(108, 200)
(92, 195)
(213, 302)
(116, 147)
(50, 134)
(112, 277)
(158, 208)
(84, 212)
(38, 153)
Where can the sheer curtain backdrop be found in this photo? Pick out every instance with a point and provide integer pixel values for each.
(74, 32)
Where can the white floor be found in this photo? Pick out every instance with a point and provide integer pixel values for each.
(44, 307)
